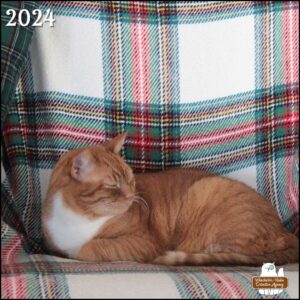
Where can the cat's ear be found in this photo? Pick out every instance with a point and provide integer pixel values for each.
(81, 165)
(116, 143)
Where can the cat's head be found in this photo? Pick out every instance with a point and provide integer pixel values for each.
(96, 180)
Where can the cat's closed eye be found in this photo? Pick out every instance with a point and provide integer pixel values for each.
(112, 186)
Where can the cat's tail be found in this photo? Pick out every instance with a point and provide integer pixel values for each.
(288, 255)
(174, 258)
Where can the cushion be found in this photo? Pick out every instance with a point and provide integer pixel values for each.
(40, 276)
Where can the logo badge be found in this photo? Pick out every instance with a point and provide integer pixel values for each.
(270, 282)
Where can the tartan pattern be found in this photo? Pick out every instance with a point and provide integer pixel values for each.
(141, 100)
(37, 276)
(279, 39)
(142, 92)
(14, 47)
(165, 12)
(26, 276)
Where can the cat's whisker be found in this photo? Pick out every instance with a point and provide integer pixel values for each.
(142, 203)
(141, 200)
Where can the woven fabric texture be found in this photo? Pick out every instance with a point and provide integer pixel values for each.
(14, 48)
(35, 276)
(207, 85)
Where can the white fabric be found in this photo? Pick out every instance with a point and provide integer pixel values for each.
(216, 59)
(61, 61)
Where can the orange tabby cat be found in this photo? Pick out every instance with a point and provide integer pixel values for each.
(96, 209)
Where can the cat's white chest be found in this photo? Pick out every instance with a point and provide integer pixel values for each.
(70, 230)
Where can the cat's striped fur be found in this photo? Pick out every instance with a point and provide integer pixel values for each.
(173, 217)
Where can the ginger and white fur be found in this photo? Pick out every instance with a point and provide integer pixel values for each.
(96, 209)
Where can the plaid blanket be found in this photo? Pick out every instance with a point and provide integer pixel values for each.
(36, 276)
(208, 85)
(14, 45)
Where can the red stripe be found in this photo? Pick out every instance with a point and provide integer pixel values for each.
(142, 11)
(11, 250)
(94, 135)
(201, 114)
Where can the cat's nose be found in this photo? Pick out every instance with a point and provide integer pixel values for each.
(128, 196)
(126, 191)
